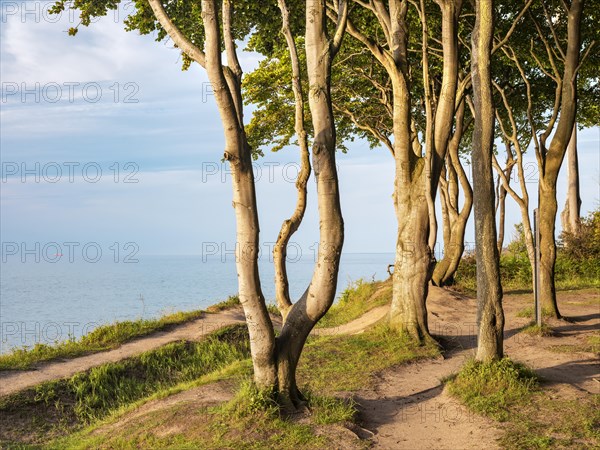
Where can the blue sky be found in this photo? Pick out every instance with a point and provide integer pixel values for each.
(112, 100)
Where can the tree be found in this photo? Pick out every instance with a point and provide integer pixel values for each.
(454, 216)
(571, 215)
(201, 31)
(490, 316)
(557, 57)
(416, 176)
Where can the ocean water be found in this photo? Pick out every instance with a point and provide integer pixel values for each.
(44, 302)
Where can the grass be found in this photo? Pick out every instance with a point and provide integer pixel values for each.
(533, 329)
(61, 406)
(105, 337)
(346, 363)
(531, 417)
(493, 388)
(231, 302)
(357, 299)
(529, 313)
(515, 273)
(545, 422)
(70, 412)
(590, 345)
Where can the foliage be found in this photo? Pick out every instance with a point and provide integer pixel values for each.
(585, 243)
(577, 260)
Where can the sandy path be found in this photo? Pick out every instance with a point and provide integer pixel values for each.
(15, 381)
(407, 407)
(357, 325)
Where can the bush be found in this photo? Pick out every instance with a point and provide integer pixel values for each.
(577, 260)
(585, 244)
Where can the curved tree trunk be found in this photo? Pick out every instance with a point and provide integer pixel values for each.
(454, 246)
(490, 316)
(275, 360)
(319, 297)
(290, 226)
(553, 157)
(238, 153)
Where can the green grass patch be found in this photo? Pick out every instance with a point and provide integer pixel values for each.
(232, 301)
(515, 273)
(105, 337)
(493, 388)
(529, 313)
(533, 329)
(346, 363)
(545, 422)
(78, 412)
(358, 298)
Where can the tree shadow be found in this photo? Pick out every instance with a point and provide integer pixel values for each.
(572, 372)
(373, 413)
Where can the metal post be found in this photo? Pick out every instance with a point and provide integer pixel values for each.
(536, 269)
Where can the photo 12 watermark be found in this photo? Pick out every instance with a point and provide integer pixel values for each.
(27, 11)
(69, 171)
(70, 92)
(71, 252)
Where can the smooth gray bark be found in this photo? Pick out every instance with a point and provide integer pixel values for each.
(490, 316)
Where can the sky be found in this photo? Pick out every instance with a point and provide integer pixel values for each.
(105, 140)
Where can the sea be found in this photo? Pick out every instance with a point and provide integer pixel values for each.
(47, 302)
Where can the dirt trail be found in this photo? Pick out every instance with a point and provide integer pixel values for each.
(15, 381)
(407, 408)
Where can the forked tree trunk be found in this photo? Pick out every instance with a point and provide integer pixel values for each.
(571, 215)
(454, 238)
(307, 311)
(412, 268)
(552, 158)
(274, 360)
(416, 177)
(490, 316)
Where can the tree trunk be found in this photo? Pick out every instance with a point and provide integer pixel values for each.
(501, 210)
(571, 215)
(319, 297)
(290, 226)
(454, 239)
(238, 153)
(552, 158)
(490, 316)
(549, 206)
(413, 266)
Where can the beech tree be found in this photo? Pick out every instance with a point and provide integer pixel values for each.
(543, 103)
(201, 31)
(490, 316)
